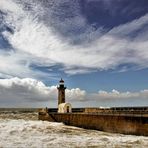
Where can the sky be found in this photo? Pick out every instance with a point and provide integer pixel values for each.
(99, 48)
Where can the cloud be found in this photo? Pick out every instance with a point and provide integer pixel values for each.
(37, 38)
(130, 27)
(16, 92)
(114, 94)
(117, 98)
(76, 94)
(18, 64)
(24, 89)
(29, 92)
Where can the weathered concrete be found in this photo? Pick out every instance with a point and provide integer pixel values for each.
(118, 110)
(137, 125)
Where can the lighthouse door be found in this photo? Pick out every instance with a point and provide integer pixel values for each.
(67, 109)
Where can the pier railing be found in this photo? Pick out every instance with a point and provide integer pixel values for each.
(126, 111)
(119, 111)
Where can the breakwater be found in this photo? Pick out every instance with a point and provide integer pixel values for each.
(119, 121)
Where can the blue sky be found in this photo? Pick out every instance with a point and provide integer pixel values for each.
(97, 46)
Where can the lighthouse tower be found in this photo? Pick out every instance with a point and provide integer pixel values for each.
(61, 92)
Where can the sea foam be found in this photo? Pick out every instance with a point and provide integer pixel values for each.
(34, 133)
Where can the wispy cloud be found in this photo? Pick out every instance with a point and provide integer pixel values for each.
(18, 64)
(32, 36)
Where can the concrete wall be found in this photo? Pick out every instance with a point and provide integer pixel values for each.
(116, 110)
(109, 123)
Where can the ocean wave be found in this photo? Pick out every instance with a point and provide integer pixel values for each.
(34, 133)
(18, 115)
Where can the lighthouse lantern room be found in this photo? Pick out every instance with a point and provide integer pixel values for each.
(61, 92)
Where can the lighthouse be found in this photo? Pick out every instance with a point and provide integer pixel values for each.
(63, 107)
(61, 92)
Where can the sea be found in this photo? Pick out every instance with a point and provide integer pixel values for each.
(20, 128)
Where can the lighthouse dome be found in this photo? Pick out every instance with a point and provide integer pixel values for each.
(61, 82)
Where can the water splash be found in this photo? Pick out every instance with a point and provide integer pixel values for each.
(22, 132)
